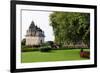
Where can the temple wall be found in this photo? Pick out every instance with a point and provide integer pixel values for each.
(31, 40)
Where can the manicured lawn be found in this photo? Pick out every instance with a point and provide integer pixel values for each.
(54, 55)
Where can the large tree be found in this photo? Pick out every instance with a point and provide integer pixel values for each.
(71, 27)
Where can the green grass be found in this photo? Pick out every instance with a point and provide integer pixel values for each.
(54, 55)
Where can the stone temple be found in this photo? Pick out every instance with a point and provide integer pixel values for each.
(34, 35)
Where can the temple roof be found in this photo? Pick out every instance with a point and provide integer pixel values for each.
(32, 25)
(34, 28)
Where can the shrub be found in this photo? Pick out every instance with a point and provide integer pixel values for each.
(27, 49)
(23, 47)
(23, 41)
(50, 43)
(45, 49)
(44, 44)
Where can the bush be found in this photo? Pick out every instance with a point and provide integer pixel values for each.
(23, 41)
(45, 49)
(44, 44)
(28, 49)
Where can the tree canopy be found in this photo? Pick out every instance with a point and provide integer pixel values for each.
(71, 27)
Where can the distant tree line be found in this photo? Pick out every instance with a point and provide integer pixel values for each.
(71, 27)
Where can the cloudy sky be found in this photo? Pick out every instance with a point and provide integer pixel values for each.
(41, 19)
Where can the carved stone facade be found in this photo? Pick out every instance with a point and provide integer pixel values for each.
(34, 36)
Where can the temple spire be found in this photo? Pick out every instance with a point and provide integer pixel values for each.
(32, 24)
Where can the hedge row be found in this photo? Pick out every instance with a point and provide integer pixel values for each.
(41, 49)
(27, 49)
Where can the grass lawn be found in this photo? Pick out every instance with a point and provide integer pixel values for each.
(54, 55)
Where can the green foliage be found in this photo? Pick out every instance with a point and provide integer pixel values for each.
(45, 49)
(23, 41)
(44, 44)
(28, 49)
(47, 43)
(71, 27)
(50, 43)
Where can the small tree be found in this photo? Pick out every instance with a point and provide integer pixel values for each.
(23, 41)
(50, 43)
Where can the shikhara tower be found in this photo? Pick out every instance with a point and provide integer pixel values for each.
(34, 35)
